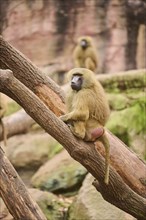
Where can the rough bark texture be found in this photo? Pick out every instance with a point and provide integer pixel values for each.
(15, 194)
(118, 192)
(17, 123)
(44, 87)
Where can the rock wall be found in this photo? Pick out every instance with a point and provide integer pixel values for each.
(46, 31)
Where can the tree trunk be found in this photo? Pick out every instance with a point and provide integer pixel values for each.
(15, 195)
(122, 190)
(17, 123)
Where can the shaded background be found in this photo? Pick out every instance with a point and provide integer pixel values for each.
(46, 30)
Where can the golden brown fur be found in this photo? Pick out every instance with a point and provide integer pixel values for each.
(86, 58)
(87, 109)
(3, 108)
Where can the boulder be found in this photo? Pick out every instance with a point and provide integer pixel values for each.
(89, 204)
(127, 121)
(29, 151)
(60, 174)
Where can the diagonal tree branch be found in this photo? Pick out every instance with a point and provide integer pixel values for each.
(117, 192)
(41, 85)
(15, 194)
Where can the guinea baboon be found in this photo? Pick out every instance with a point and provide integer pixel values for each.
(85, 55)
(87, 109)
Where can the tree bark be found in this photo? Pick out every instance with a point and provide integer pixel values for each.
(123, 80)
(17, 123)
(42, 86)
(127, 196)
(15, 194)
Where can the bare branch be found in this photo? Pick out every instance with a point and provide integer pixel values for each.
(13, 189)
(17, 123)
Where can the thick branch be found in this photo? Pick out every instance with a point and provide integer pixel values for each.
(15, 194)
(31, 76)
(117, 192)
(17, 123)
(123, 80)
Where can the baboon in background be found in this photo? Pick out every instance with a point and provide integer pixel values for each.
(85, 55)
(88, 109)
(3, 108)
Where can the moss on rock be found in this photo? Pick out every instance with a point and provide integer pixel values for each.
(131, 121)
(60, 174)
(118, 101)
